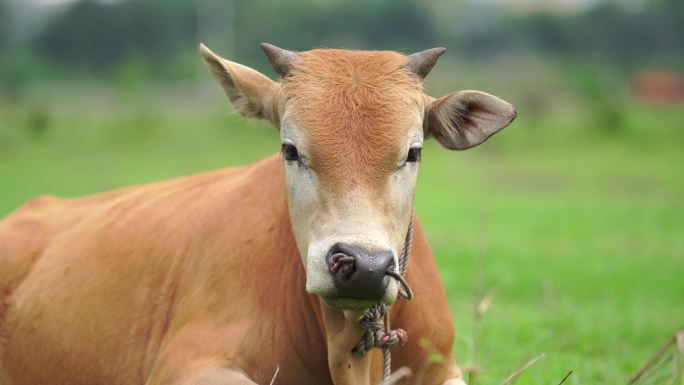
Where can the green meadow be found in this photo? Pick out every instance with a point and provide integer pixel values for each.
(573, 221)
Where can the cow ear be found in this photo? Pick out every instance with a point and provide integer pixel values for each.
(464, 119)
(251, 93)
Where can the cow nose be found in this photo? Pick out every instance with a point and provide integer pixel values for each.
(359, 273)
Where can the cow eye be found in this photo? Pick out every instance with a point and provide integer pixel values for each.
(414, 155)
(290, 152)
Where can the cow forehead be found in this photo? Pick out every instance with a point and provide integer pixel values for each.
(354, 109)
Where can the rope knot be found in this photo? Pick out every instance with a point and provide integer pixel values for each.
(393, 338)
(376, 319)
(373, 322)
(378, 334)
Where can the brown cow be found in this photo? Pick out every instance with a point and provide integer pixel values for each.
(227, 276)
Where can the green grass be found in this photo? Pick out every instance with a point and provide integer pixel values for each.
(584, 236)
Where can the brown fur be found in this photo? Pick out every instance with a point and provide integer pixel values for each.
(355, 108)
(158, 283)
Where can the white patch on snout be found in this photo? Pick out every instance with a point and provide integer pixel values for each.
(350, 217)
(319, 279)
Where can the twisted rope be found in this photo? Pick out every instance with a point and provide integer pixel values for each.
(376, 320)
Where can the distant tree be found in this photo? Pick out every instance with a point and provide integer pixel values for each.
(99, 37)
(607, 31)
(4, 24)
(141, 39)
(361, 24)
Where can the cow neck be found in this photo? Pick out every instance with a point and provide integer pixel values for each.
(303, 334)
(376, 321)
(350, 343)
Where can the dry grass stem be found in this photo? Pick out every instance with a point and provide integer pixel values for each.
(400, 374)
(680, 342)
(656, 360)
(481, 303)
(565, 378)
(275, 375)
(514, 376)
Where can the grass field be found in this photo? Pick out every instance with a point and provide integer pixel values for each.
(583, 243)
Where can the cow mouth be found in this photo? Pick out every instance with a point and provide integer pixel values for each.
(341, 302)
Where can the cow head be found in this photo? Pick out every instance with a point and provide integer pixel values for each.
(352, 126)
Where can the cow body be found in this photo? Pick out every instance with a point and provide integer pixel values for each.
(232, 276)
(167, 282)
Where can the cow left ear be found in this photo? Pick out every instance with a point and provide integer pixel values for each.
(464, 119)
(251, 93)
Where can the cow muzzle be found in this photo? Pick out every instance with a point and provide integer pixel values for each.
(359, 274)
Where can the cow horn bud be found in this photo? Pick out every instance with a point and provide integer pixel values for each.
(282, 60)
(420, 63)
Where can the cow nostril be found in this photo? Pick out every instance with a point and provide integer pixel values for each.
(359, 273)
(342, 265)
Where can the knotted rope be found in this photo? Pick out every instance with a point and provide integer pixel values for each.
(378, 333)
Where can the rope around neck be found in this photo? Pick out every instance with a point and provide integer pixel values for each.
(376, 320)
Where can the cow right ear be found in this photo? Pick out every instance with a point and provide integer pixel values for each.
(251, 93)
(464, 119)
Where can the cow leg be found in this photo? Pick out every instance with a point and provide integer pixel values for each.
(196, 355)
(207, 376)
(221, 376)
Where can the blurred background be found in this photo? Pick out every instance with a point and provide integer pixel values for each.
(570, 223)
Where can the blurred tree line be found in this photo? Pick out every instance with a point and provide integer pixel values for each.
(156, 39)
